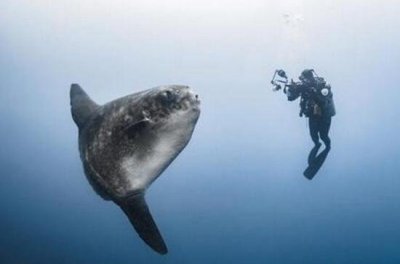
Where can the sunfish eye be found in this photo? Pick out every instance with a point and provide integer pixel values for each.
(167, 96)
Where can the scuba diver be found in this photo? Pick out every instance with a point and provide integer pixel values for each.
(316, 103)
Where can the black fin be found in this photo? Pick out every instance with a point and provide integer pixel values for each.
(136, 209)
(82, 107)
(316, 164)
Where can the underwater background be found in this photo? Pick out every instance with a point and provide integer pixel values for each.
(236, 194)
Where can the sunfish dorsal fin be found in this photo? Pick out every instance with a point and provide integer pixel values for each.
(82, 107)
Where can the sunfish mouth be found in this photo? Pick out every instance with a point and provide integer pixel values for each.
(187, 95)
(194, 97)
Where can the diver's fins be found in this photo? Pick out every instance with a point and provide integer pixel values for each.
(136, 209)
(316, 164)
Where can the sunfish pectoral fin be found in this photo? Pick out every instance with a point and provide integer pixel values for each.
(139, 215)
(133, 129)
(82, 107)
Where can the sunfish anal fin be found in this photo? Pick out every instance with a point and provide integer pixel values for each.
(139, 215)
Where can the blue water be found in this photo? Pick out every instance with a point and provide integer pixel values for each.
(236, 194)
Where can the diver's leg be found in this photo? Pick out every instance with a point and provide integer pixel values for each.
(314, 128)
(313, 154)
(318, 161)
(324, 127)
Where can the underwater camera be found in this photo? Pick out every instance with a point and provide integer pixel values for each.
(278, 79)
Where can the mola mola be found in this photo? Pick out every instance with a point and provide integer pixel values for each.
(127, 143)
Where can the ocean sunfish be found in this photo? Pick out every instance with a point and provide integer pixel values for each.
(127, 143)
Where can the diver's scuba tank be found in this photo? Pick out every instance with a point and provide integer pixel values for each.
(327, 103)
(324, 97)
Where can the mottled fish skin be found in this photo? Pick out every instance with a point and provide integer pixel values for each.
(127, 143)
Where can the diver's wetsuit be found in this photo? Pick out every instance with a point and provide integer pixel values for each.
(319, 128)
(317, 107)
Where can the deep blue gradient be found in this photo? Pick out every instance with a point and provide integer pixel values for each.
(236, 194)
